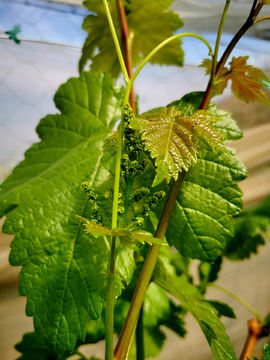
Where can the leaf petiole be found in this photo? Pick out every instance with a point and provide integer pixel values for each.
(237, 298)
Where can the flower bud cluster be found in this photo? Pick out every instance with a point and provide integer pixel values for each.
(147, 205)
(133, 144)
(95, 205)
(121, 208)
(131, 168)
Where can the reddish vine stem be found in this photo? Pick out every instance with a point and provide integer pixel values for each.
(249, 22)
(127, 46)
(255, 332)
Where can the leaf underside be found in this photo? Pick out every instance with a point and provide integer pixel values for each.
(63, 267)
(145, 19)
(174, 140)
(247, 80)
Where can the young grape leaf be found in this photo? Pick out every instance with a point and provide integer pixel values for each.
(208, 272)
(205, 314)
(126, 236)
(202, 219)
(247, 80)
(145, 19)
(174, 140)
(225, 124)
(62, 267)
(250, 231)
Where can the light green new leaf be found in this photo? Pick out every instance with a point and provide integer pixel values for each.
(145, 19)
(126, 236)
(62, 267)
(174, 140)
(250, 231)
(205, 314)
(225, 124)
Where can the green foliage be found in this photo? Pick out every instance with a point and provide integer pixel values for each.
(32, 347)
(204, 313)
(60, 262)
(222, 308)
(250, 231)
(13, 34)
(174, 140)
(145, 19)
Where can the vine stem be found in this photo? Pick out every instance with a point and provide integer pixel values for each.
(256, 8)
(237, 298)
(255, 332)
(109, 318)
(145, 277)
(140, 337)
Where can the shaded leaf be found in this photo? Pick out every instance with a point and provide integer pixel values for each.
(145, 19)
(126, 236)
(247, 80)
(208, 272)
(250, 231)
(174, 140)
(205, 314)
(222, 308)
(32, 347)
(266, 352)
(62, 267)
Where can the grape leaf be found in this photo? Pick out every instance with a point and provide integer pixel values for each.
(62, 267)
(208, 272)
(145, 19)
(222, 308)
(247, 80)
(32, 347)
(202, 217)
(205, 314)
(250, 231)
(126, 236)
(174, 140)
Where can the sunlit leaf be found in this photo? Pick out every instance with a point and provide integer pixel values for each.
(247, 80)
(174, 140)
(145, 19)
(63, 267)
